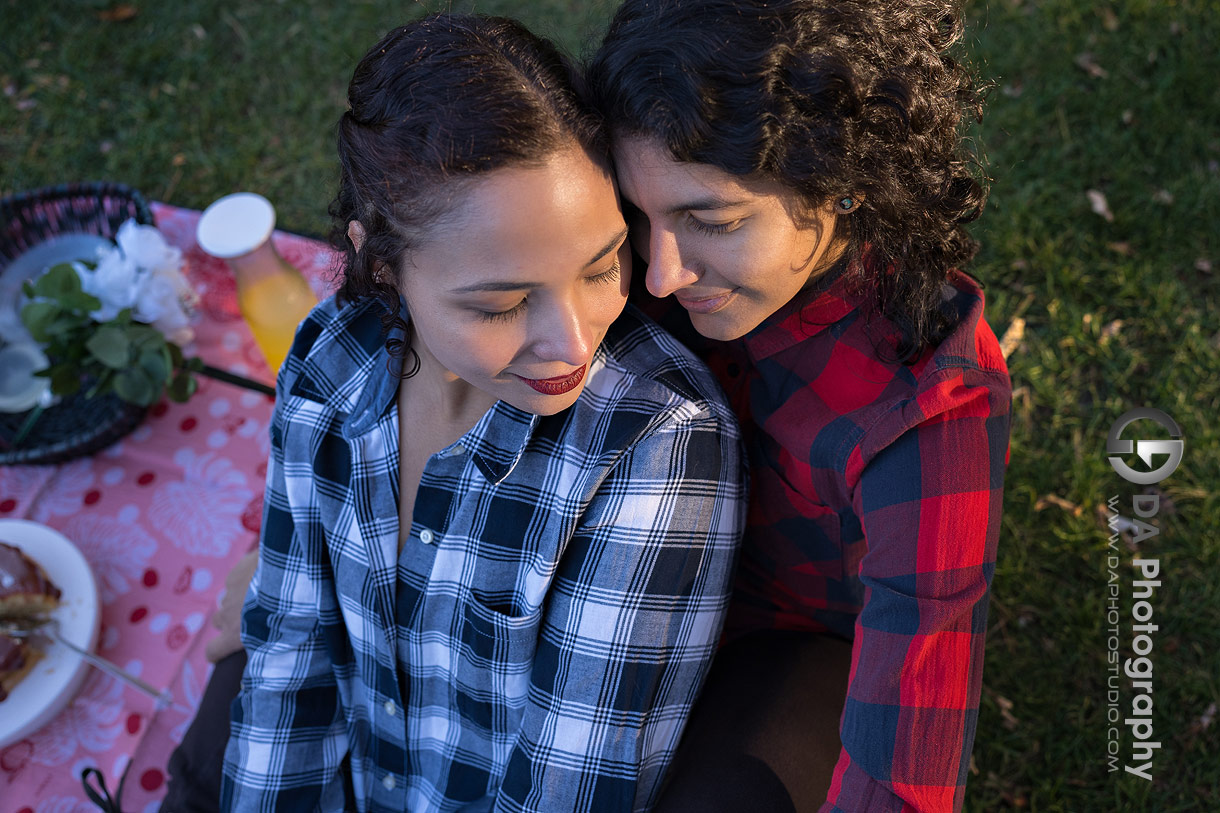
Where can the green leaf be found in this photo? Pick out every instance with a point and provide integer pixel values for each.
(110, 346)
(156, 362)
(38, 318)
(81, 301)
(60, 281)
(102, 384)
(65, 380)
(135, 387)
(182, 387)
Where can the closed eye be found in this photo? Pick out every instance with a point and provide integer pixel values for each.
(503, 316)
(609, 276)
(712, 228)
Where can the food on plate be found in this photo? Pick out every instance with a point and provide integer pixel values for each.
(17, 658)
(25, 590)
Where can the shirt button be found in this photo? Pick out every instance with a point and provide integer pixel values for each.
(390, 709)
(425, 536)
(388, 781)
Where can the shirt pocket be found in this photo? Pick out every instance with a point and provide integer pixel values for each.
(494, 663)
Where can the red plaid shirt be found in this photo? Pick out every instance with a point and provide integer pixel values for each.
(874, 513)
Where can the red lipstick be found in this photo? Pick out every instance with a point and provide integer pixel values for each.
(558, 385)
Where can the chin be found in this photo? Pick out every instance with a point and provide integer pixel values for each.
(545, 405)
(720, 326)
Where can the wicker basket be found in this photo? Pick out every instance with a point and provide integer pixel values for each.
(77, 426)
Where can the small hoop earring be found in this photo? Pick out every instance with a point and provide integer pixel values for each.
(848, 205)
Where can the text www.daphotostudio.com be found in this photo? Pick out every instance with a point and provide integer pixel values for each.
(1138, 670)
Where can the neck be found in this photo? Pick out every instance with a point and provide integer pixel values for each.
(441, 395)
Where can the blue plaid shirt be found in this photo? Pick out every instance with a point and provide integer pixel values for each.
(540, 639)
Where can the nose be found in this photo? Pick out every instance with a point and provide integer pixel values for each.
(666, 272)
(565, 334)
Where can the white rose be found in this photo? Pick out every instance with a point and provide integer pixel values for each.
(161, 301)
(114, 281)
(146, 248)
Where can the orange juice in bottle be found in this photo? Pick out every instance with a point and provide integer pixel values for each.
(272, 294)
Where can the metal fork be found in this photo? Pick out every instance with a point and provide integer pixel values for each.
(47, 626)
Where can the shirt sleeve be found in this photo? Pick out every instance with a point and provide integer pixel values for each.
(631, 624)
(288, 737)
(928, 495)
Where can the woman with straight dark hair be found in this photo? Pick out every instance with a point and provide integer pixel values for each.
(502, 506)
(795, 175)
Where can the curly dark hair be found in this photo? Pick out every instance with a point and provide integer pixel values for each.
(832, 98)
(432, 106)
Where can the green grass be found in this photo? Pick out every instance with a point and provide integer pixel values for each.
(192, 103)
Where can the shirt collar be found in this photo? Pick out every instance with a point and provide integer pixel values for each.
(828, 299)
(349, 370)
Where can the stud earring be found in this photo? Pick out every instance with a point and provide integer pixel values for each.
(848, 204)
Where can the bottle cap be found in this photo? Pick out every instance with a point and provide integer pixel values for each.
(235, 225)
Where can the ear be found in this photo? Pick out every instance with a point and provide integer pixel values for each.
(355, 233)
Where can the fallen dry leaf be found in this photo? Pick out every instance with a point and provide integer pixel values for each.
(1163, 197)
(1013, 90)
(1100, 206)
(1127, 117)
(117, 14)
(1123, 248)
(1203, 265)
(1048, 500)
(1088, 64)
(1109, 20)
(1010, 721)
(178, 160)
(1012, 337)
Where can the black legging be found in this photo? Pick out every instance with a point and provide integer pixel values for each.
(764, 735)
(197, 763)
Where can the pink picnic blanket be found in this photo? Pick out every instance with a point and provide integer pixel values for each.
(160, 516)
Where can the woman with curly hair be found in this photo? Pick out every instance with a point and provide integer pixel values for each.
(796, 178)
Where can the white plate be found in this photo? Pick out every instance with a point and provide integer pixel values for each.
(55, 679)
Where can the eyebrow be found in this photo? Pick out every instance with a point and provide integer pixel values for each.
(510, 285)
(705, 204)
